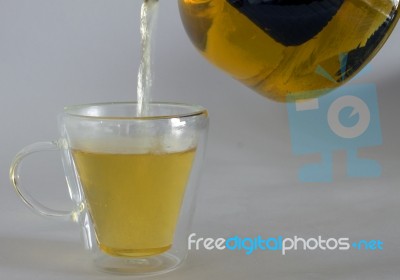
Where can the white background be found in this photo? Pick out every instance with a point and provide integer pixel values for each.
(61, 52)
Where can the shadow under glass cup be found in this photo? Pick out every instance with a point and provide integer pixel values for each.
(133, 180)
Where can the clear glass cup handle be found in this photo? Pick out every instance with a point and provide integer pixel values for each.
(29, 200)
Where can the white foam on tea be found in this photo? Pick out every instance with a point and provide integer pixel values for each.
(148, 17)
(135, 145)
(126, 138)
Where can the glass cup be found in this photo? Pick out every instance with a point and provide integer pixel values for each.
(132, 179)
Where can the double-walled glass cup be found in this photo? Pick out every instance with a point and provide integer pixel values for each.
(132, 179)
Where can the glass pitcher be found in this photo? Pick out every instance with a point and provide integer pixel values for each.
(289, 49)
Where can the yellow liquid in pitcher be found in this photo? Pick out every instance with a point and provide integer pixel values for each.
(233, 41)
(134, 199)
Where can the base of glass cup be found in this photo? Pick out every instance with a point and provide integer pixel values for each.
(152, 265)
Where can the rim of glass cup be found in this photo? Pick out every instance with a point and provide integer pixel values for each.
(193, 110)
